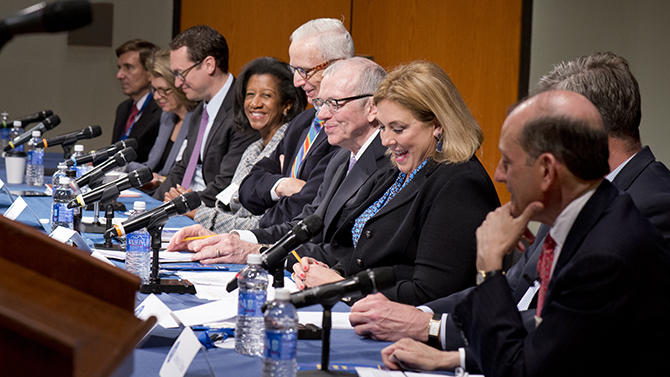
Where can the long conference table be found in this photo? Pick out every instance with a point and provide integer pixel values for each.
(347, 349)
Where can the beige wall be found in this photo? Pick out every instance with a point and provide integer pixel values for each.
(40, 71)
(635, 29)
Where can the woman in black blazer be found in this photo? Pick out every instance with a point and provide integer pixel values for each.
(421, 219)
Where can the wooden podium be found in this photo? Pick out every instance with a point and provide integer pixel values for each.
(62, 312)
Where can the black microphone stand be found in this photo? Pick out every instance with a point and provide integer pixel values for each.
(110, 205)
(326, 325)
(108, 199)
(156, 284)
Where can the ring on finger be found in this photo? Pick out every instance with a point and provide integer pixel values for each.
(218, 253)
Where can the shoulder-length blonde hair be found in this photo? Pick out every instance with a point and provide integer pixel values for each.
(425, 89)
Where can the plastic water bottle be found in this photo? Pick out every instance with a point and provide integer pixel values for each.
(15, 132)
(250, 329)
(77, 212)
(35, 164)
(80, 169)
(60, 214)
(281, 337)
(138, 247)
(60, 173)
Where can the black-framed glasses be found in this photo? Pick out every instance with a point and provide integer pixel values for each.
(306, 73)
(182, 75)
(162, 92)
(336, 104)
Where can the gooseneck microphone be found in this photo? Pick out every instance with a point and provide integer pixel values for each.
(178, 206)
(99, 156)
(46, 18)
(136, 178)
(43, 127)
(119, 159)
(304, 231)
(27, 119)
(70, 138)
(361, 284)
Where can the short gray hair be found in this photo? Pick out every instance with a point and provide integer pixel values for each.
(334, 41)
(368, 73)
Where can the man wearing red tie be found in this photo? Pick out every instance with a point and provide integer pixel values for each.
(139, 116)
(604, 298)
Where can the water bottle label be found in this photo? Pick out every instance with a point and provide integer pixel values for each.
(249, 303)
(280, 345)
(138, 242)
(62, 214)
(81, 170)
(36, 158)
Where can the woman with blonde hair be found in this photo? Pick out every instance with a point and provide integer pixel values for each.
(422, 218)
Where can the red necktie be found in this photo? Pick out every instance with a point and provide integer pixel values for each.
(544, 270)
(131, 119)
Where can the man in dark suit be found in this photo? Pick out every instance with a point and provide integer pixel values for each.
(604, 292)
(199, 60)
(139, 116)
(606, 80)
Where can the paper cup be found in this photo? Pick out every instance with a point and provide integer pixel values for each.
(15, 165)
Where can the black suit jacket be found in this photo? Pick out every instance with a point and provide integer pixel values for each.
(426, 232)
(608, 301)
(648, 183)
(145, 130)
(223, 150)
(255, 189)
(338, 195)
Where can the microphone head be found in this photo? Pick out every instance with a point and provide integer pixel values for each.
(67, 15)
(381, 278)
(308, 228)
(140, 177)
(187, 202)
(45, 114)
(128, 143)
(125, 156)
(91, 132)
(51, 122)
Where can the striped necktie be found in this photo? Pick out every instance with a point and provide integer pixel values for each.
(314, 129)
(544, 271)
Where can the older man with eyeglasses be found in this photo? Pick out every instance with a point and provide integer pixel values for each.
(199, 62)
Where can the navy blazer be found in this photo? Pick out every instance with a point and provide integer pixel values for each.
(339, 194)
(608, 301)
(145, 130)
(223, 150)
(426, 232)
(255, 189)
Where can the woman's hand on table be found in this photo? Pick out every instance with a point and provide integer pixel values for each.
(311, 273)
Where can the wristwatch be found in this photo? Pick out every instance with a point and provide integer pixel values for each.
(482, 275)
(434, 331)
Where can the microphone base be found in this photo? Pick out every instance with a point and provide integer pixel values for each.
(93, 228)
(169, 286)
(113, 247)
(323, 373)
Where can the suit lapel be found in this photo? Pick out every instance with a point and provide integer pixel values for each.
(587, 218)
(633, 168)
(221, 116)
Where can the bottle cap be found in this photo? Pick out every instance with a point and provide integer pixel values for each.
(78, 148)
(62, 164)
(17, 123)
(139, 206)
(254, 259)
(282, 294)
(37, 134)
(64, 181)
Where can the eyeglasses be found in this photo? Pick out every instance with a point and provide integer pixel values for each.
(306, 73)
(335, 104)
(162, 92)
(182, 75)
